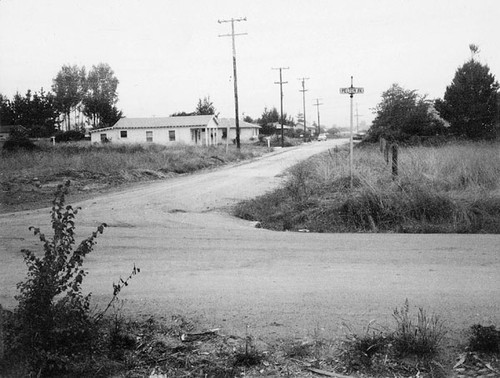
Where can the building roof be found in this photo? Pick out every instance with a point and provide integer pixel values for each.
(231, 123)
(158, 122)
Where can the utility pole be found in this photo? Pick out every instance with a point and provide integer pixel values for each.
(317, 104)
(232, 35)
(281, 82)
(304, 90)
(357, 119)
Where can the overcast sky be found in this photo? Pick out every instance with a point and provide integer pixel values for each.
(167, 54)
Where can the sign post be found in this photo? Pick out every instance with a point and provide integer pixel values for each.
(351, 91)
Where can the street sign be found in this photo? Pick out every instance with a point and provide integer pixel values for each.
(352, 90)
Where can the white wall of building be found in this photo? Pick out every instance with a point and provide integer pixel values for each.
(162, 135)
(246, 134)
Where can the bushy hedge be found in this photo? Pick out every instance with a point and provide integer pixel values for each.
(18, 140)
(69, 136)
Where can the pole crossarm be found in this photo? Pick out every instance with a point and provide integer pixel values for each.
(232, 20)
(230, 35)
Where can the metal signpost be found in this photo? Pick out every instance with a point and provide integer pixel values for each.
(352, 90)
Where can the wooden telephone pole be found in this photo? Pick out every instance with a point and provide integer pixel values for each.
(317, 104)
(357, 118)
(281, 82)
(304, 90)
(232, 35)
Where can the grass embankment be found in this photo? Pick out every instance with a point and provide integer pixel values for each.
(29, 178)
(453, 188)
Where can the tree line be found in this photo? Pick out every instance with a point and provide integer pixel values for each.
(89, 99)
(469, 108)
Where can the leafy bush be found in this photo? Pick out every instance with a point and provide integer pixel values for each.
(53, 316)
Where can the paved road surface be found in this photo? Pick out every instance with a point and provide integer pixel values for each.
(198, 261)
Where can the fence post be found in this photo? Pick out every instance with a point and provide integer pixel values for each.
(386, 151)
(394, 148)
(2, 345)
(382, 144)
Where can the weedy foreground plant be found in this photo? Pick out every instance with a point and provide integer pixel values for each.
(53, 325)
(418, 339)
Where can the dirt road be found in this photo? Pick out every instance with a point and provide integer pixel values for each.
(198, 261)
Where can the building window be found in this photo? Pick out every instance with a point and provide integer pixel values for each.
(104, 138)
(149, 136)
(123, 133)
(171, 135)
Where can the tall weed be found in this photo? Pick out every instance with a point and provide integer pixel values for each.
(421, 338)
(452, 188)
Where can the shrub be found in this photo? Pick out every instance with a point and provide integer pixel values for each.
(358, 350)
(54, 322)
(69, 136)
(19, 140)
(422, 338)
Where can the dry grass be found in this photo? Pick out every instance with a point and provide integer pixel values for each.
(452, 188)
(28, 178)
(112, 158)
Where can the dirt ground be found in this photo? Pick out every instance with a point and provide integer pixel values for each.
(198, 261)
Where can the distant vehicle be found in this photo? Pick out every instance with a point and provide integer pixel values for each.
(359, 136)
(322, 137)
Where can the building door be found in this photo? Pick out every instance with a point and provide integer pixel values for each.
(196, 136)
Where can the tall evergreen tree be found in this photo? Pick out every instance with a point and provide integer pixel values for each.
(270, 116)
(470, 103)
(205, 107)
(6, 113)
(35, 111)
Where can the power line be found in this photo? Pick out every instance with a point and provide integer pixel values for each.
(304, 90)
(281, 82)
(232, 35)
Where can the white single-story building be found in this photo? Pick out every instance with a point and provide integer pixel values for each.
(198, 130)
(248, 131)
